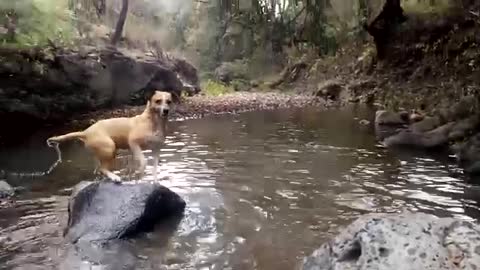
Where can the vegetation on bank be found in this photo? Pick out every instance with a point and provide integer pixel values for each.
(235, 45)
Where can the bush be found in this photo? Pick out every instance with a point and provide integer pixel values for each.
(212, 88)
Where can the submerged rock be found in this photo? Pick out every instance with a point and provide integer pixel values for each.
(427, 140)
(103, 211)
(400, 241)
(383, 117)
(6, 190)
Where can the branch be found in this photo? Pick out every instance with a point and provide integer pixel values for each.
(296, 16)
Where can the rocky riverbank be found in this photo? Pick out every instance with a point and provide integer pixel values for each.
(429, 69)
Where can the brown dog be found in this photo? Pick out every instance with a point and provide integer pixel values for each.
(144, 131)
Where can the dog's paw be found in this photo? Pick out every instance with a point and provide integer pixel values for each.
(115, 178)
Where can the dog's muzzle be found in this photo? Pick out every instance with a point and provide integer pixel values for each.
(164, 112)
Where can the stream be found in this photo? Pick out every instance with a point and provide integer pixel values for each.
(263, 189)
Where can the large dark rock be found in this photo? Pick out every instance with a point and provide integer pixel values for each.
(103, 211)
(407, 241)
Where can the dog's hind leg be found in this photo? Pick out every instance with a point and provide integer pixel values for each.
(106, 167)
(104, 150)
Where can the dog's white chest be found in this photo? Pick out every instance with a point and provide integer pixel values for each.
(156, 139)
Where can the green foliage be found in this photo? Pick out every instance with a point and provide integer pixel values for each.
(240, 85)
(38, 22)
(212, 88)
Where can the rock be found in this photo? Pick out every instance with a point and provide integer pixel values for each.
(400, 241)
(330, 89)
(427, 124)
(354, 100)
(369, 98)
(416, 117)
(228, 71)
(103, 211)
(6, 190)
(464, 108)
(359, 87)
(254, 83)
(468, 156)
(383, 117)
(364, 122)
(428, 140)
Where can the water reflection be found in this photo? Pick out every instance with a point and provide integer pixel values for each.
(262, 189)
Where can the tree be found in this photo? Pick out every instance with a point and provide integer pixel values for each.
(120, 23)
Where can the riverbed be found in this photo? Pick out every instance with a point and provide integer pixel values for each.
(263, 189)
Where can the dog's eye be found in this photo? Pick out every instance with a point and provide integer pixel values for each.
(169, 102)
(158, 101)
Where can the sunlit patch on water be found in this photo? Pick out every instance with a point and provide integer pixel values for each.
(262, 190)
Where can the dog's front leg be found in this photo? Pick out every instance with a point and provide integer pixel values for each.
(156, 159)
(139, 157)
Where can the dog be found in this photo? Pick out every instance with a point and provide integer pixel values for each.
(144, 131)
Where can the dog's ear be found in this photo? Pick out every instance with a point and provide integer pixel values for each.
(148, 94)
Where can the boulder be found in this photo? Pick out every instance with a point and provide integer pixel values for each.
(103, 211)
(427, 140)
(464, 128)
(6, 190)
(407, 241)
(383, 117)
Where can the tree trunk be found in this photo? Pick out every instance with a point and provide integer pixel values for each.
(101, 7)
(120, 23)
(381, 27)
(11, 25)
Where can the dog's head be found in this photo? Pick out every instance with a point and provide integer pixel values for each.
(160, 103)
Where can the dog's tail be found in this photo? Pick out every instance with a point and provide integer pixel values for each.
(69, 136)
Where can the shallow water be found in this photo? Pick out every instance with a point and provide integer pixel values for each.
(263, 189)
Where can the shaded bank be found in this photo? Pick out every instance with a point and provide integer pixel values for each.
(199, 106)
(41, 87)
